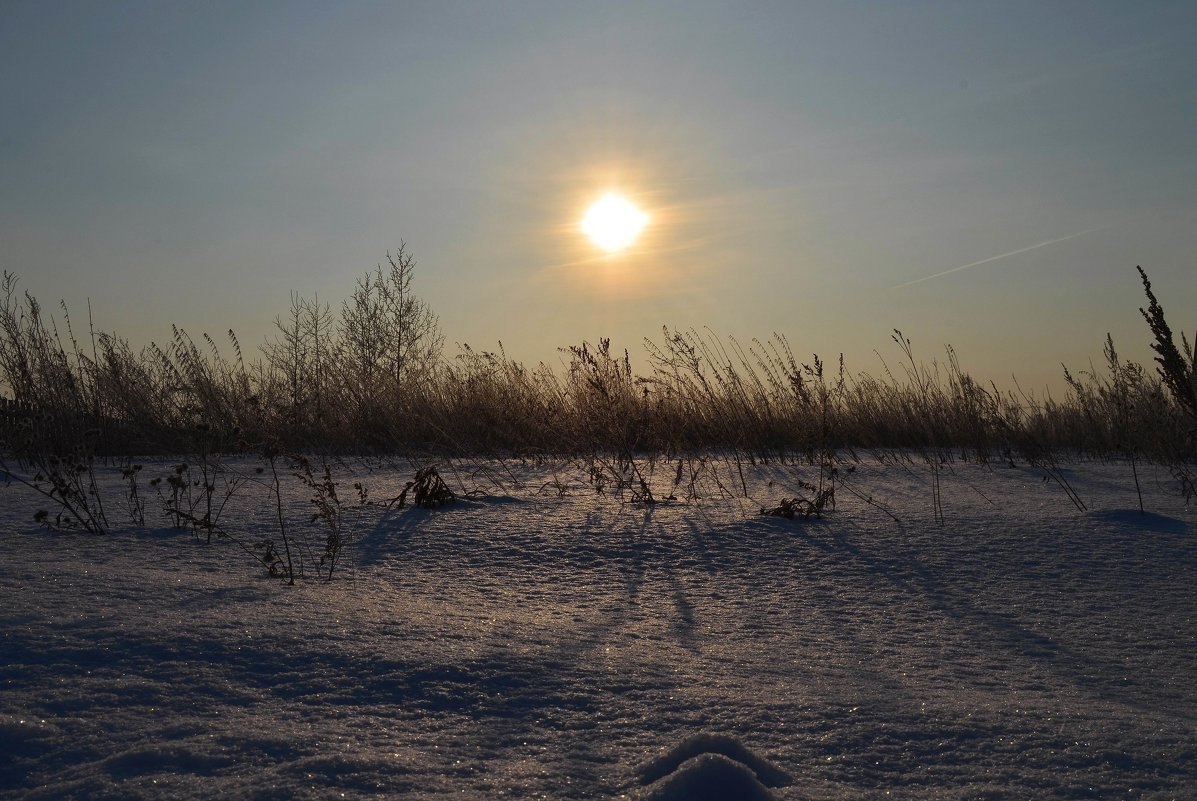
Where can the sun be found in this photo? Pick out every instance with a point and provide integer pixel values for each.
(613, 222)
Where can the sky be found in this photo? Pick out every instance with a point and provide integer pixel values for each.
(984, 175)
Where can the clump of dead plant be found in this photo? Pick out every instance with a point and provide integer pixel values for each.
(428, 490)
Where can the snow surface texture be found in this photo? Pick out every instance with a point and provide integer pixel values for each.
(577, 646)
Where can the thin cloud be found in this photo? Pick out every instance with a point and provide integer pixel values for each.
(998, 257)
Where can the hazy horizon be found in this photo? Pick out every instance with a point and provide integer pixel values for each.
(984, 176)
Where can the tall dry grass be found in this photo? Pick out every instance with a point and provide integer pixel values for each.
(372, 377)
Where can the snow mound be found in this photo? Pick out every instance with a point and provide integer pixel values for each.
(709, 777)
(1134, 520)
(710, 766)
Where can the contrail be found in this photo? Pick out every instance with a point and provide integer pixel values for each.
(997, 258)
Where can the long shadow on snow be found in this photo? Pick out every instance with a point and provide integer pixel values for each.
(373, 546)
(394, 525)
(906, 571)
(631, 558)
(496, 684)
(507, 695)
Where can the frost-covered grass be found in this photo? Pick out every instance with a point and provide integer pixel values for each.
(535, 644)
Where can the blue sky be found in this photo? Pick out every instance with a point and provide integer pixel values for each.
(804, 164)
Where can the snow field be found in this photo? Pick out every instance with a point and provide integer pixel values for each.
(533, 646)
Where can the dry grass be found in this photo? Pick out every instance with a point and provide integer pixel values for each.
(375, 381)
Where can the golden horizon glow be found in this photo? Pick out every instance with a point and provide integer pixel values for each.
(613, 222)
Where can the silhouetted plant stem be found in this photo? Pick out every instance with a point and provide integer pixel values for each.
(282, 522)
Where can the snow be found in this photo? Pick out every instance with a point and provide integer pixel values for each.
(536, 645)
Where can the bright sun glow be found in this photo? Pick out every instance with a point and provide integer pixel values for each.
(613, 222)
